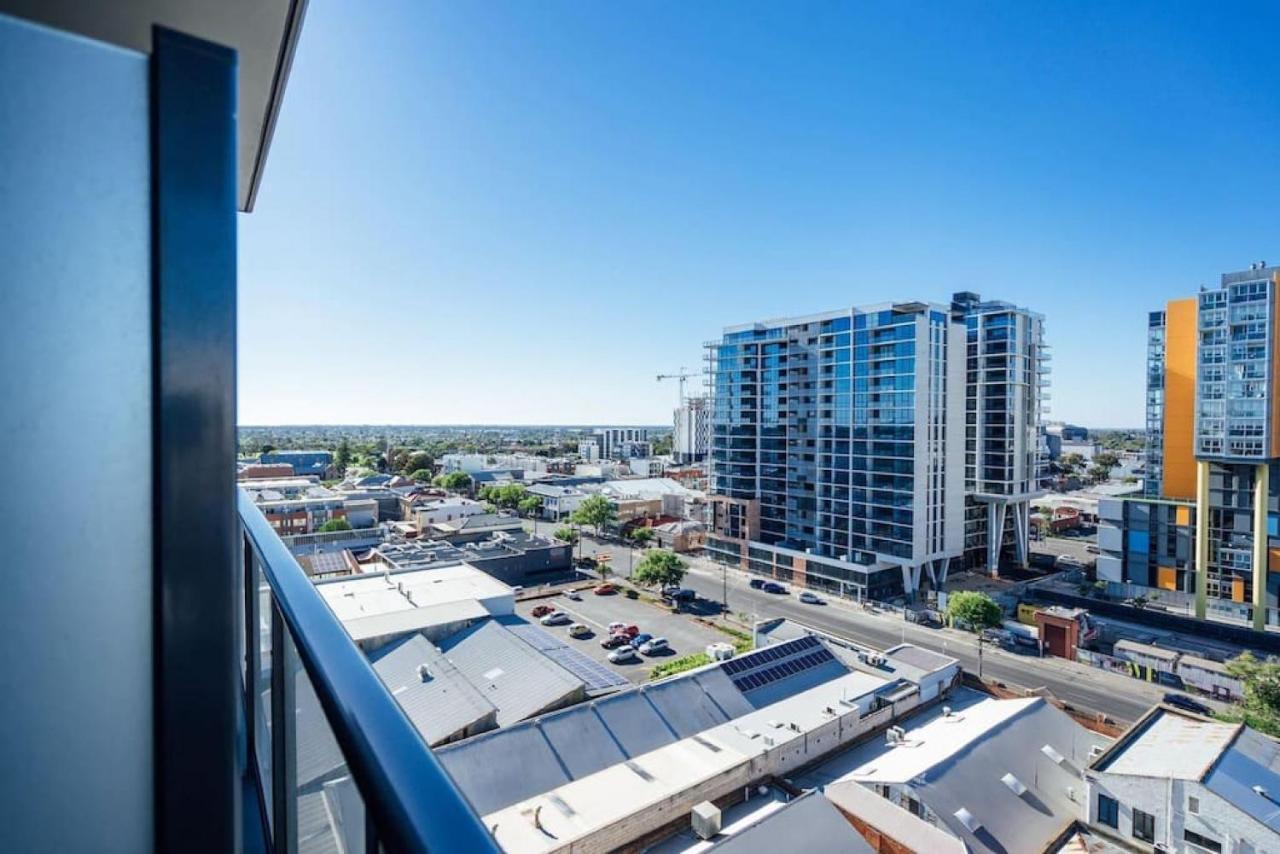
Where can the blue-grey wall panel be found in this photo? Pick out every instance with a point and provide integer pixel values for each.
(76, 729)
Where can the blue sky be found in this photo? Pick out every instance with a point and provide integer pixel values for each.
(521, 212)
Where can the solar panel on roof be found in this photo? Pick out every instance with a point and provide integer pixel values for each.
(776, 662)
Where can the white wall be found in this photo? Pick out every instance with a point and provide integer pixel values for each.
(75, 411)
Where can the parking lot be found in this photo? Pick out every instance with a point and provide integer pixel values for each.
(685, 634)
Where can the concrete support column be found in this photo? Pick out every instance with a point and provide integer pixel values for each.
(1202, 537)
(995, 535)
(910, 580)
(1261, 491)
(1021, 532)
(944, 565)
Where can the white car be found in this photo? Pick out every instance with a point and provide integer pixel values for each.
(811, 598)
(623, 654)
(574, 595)
(614, 628)
(556, 618)
(654, 645)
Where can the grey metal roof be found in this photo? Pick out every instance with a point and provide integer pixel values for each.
(971, 779)
(510, 674)
(810, 824)
(500, 768)
(598, 678)
(444, 706)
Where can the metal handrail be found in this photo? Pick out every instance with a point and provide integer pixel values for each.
(415, 804)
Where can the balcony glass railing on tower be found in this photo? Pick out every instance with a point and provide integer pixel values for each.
(339, 766)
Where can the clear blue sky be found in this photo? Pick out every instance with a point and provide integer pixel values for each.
(521, 212)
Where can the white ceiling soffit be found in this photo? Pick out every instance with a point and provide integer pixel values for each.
(262, 32)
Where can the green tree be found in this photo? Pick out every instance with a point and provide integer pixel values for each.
(565, 534)
(334, 525)
(975, 609)
(660, 568)
(1261, 679)
(1099, 473)
(1070, 463)
(421, 476)
(641, 535)
(530, 505)
(455, 481)
(342, 459)
(596, 511)
(1106, 458)
(411, 461)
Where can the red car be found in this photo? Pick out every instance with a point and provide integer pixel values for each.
(605, 590)
(542, 610)
(615, 641)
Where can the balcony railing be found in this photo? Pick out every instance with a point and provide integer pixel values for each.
(335, 757)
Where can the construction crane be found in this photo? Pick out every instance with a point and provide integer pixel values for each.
(682, 376)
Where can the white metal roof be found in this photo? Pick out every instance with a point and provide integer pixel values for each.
(379, 604)
(1174, 745)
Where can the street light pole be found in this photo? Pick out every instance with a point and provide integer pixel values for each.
(724, 596)
(979, 657)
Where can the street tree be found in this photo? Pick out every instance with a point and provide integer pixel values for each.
(641, 535)
(596, 511)
(660, 568)
(565, 534)
(421, 476)
(975, 609)
(1261, 680)
(334, 525)
(530, 505)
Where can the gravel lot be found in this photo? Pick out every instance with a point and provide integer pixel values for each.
(683, 633)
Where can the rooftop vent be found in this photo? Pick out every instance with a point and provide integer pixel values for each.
(968, 820)
(424, 673)
(1054, 756)
(1014, 784)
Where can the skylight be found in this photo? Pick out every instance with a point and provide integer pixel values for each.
(1053, 755)
(968, 820)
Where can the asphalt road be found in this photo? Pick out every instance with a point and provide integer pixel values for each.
(1119, 697)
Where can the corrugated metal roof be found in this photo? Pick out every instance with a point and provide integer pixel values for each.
(957, 763)
(442, 707)
(510, 674)
(809, 824)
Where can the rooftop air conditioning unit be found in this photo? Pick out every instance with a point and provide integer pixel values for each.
(705, 819)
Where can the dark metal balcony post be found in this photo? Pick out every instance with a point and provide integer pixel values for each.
(252, 649)
(284, 766)
(193, 346)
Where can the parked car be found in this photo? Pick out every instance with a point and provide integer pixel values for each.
(579, 630)
(773, 587)
(573, 594)
(556, 618)
(1092, 549)
(615, 641)
(757, 583)
(623, 654)
(1182, 701)
(811, 598)
(642, 638)
(540, 611)
(604, 589)
(654, 645)
(684, 594)
(615, 627)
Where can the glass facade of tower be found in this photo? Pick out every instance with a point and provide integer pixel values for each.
(1151, 485)
(829, 443)
(1207, 530)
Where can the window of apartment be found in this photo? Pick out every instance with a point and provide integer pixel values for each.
(1193, 805)
(1202, 841)
(1108, 811)
(1144, 826)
